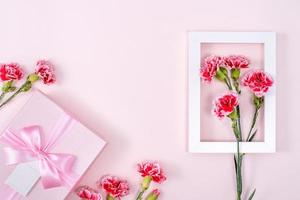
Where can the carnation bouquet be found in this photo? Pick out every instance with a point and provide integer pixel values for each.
(11, 73)
(116, 188)
(229, 71)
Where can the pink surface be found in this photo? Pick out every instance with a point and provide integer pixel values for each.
(213, 129)
(122, 70)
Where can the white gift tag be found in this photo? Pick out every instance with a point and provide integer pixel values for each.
(24, 177)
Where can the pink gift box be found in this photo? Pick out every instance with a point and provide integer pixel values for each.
(76, 140)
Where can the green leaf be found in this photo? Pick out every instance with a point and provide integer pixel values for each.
(252, 194)
(252, 136)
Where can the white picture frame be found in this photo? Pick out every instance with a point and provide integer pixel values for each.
(195, 39)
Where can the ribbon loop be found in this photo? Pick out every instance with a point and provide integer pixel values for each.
(55, 168)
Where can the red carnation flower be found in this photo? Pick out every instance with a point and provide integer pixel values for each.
(45, 70)
(258, 82)
(209, 69)
(153, 170)
(236, 62)
(11, 71)
(114, 186)
(225, 104)
(88, 193)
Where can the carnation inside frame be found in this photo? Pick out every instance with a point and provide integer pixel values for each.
(216, 130)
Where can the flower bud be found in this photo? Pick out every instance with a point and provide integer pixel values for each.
(220, 75)
(258, 101)
(153, 195)
(146, 182)
(235, 73)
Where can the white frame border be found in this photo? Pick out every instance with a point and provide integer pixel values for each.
(194, 56)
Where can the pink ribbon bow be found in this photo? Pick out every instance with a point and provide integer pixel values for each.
(55, 168)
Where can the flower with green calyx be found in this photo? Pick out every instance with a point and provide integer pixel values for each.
(225, 105)
(150, 171)
(210, 68)
(8, 74)
(44, 71)
(235, 63)
(259, 83)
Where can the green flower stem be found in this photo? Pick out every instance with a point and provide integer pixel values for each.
(239, 122)
(140, 195)
(238, 161)
(239, 184)
(2, 96)
(254, 119)
(21, 89)
(229, 85)
(144, 186)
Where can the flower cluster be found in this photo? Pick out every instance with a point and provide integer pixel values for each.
(12, 72)
(150, 171)
(225, 104)
(228, 70)
(115, 187)
(212, 64)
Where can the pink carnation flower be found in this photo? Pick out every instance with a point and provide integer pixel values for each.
(11, 71)
(45, 70)
(225, 104)
(88, 193)
(153, 170)
(258, 82)
(114, 186)
(236, 62)
(209, 69)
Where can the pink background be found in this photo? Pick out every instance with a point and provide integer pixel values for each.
(211, 128)
(122, 70)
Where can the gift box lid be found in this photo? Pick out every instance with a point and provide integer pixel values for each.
(76, 140)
